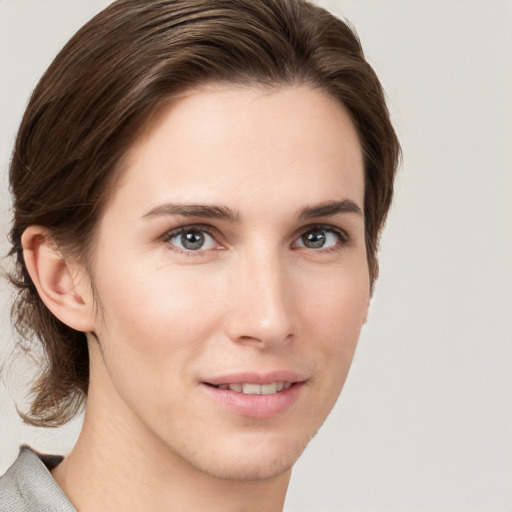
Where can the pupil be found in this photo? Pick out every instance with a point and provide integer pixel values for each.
(314, 239)
(192, 240)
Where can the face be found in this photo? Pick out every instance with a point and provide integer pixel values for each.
(231, 270)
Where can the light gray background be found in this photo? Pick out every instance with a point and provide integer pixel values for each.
(425, 420)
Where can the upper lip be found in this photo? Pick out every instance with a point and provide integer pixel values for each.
(256, 377)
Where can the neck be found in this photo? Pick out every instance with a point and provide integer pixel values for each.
(118, 465)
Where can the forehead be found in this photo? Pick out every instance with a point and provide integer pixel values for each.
(227, 144)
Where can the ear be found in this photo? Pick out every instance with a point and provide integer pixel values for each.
(62, 285)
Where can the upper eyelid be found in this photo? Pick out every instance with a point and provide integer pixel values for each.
(175, 232)
(327, 227)
(344, 239)
(171, 233)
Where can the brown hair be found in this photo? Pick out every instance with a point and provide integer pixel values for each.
(110, 77)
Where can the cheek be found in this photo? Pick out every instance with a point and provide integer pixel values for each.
(152, 330)
(339, 298)
(155, 321)
(334, 315)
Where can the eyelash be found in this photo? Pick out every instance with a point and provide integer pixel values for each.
(343, 238)
(186, 229)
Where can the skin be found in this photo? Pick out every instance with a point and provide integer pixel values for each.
(255, 297)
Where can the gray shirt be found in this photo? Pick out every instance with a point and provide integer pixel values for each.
(28, 485)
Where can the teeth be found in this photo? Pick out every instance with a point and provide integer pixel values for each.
(268, 389)
(249, 388)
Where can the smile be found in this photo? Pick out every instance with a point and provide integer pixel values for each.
(245, 397)
(248, 388)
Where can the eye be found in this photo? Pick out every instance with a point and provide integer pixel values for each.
(322, 237)
(191, 239)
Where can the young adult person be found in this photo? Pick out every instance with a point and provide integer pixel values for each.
(199, 187)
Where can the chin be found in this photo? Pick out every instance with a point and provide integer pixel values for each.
(250, 472)
(249, 469)
(254, 459)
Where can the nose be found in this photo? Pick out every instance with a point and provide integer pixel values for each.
(261, 309)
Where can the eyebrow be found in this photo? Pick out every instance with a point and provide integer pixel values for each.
(193, 210)
(327, 209)
(330, 208)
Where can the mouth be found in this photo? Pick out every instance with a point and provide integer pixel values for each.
(256, 395)
(251, 388)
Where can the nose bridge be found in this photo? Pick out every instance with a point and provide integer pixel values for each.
(262, 305)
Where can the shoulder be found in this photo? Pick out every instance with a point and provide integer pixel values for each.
(28, 486)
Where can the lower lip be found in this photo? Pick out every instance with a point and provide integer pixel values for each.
(255, 406)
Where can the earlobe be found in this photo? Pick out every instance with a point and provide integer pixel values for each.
(60, 284)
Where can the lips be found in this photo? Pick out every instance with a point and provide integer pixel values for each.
(257, 395)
